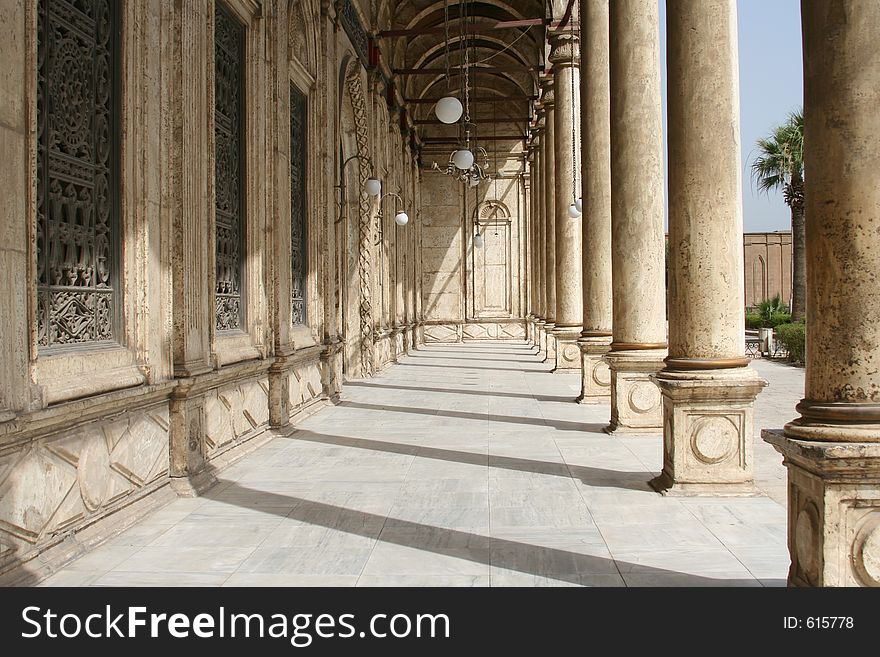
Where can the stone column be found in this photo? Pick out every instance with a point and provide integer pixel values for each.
(565, 57)
(595, 339)
(832, 450)
(637, 254)
(17, 214)
(188, 100)
(549, 165)
(530, 240)
(708, 389)
(540, 235)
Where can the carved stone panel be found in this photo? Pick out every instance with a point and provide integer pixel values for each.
(228, 167)
(299, 251)
(77, 172)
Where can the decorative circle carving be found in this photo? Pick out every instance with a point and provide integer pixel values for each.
(93, 472)
(644, 397)
(866, 550)
(602, 373)
(71, 78)
(806, 534)
(714, 439)
(571, 352)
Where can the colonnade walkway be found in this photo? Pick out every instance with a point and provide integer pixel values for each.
(462, 465)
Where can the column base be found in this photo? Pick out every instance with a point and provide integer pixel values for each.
(635, 399)
(707, 431)
(833, 509)
(568, 353)
(595, 375)
(549, 342)
(665, 485)
(537, 338)
(193, 485)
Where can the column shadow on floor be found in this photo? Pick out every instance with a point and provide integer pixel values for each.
(471, 367)
(520, 350)
(469, 356)
(588, 475)
(455, 391)
(561, 425)
(553, 563)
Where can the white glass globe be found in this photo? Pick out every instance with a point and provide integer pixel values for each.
(401, 218)
(373, 186)
(573, 211)
(579, 204)
(463, 159)
(448, 109)
(478, 241)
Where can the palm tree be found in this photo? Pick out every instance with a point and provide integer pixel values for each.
(780, 165)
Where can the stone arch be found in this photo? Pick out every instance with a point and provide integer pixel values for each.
(491, 212)
(302, 37)
(759, 280)
(492, 264)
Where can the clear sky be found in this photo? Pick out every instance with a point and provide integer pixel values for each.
(771, 86)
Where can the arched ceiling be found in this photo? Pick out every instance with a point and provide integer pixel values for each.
(425, 44)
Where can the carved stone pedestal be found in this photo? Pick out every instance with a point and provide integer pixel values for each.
(707, 431)
(548, 341)
(833, 510)
(595, 374)
(539, 339)
(189, 472)
(635, 399)
(568, 353)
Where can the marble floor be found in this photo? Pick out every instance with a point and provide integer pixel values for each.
(463, 465)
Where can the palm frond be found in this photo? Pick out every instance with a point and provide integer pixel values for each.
(780, 156)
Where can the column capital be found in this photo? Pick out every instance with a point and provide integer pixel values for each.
(565, 49)
(548, 98)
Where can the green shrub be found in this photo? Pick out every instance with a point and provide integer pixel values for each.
(780, 317)
(773, 312)
(793, 337)
(753, 320)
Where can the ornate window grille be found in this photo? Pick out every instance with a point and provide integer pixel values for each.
(228, 167)
(299, 251)
(77, 172)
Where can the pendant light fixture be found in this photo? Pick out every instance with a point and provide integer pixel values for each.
(463, 158)
(478, 238)
(462, 163)
(449, 108)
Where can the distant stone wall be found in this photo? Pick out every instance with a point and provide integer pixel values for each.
(767, 266)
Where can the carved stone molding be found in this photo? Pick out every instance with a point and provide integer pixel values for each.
(359, 105)
(565, 50)
(548, 98)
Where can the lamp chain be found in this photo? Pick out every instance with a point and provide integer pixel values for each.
(573, 115)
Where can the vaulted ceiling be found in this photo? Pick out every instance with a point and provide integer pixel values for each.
(426, 43)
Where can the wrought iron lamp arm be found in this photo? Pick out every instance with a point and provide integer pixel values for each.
(379, 215)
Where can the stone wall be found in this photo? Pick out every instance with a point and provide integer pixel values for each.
(92, 436)
(474, 293)
(767, 266)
